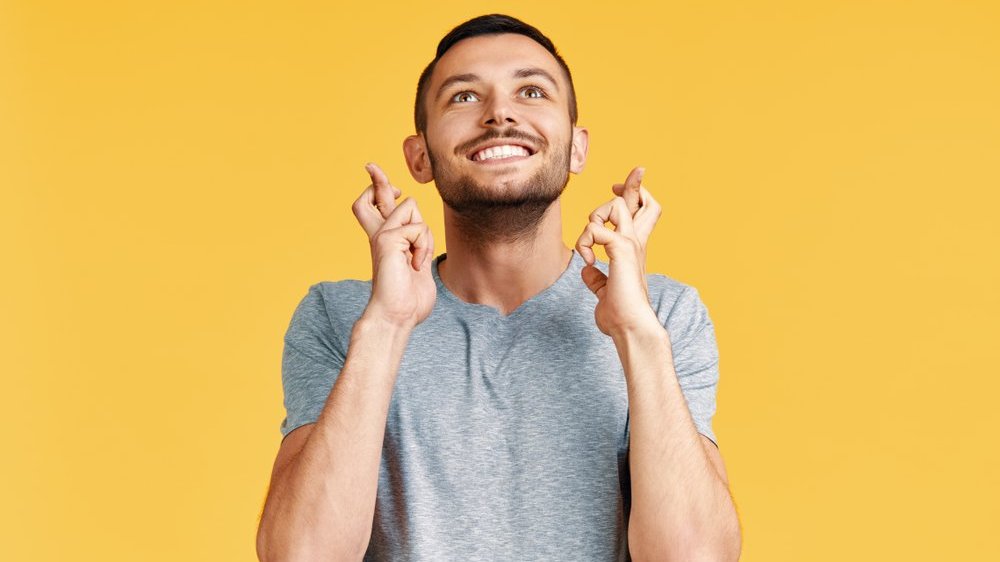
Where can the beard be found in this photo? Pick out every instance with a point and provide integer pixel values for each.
(509, 210)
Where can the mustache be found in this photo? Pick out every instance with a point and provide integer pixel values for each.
(492, 134)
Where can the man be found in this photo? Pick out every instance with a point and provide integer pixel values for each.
(511, 399)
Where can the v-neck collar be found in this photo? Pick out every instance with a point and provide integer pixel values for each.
(569, 275)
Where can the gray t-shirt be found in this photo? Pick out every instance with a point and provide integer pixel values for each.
(507, 436)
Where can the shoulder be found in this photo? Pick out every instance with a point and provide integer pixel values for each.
(333, 297)
(665, 292)
(667, 295)
(329, 306)
(678, 305)
(343, 295)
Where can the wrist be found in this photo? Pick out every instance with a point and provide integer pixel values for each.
(391, 323)
(386, 327)
(374, 354)
(643, 350)
(645, 327)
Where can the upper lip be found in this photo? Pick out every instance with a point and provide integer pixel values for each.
(500, 142)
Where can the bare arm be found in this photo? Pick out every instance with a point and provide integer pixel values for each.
(681, 506)
(321, 501)
(321, 504)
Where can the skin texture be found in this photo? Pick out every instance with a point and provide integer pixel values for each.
(502, 215)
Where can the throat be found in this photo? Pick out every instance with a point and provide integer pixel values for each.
(503, 277)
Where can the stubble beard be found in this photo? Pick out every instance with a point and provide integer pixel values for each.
(507, 213)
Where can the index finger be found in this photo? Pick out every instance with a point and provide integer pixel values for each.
(385, 194)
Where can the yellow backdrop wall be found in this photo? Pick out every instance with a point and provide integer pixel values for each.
(174, 175)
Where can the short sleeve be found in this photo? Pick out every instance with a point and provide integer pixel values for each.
(696, 356)
(312, 359)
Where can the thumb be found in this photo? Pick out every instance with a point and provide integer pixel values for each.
(594, 278)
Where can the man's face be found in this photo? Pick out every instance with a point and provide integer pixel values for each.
(498, 128)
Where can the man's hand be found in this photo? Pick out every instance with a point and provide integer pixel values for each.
(623, 300)
(403, 290)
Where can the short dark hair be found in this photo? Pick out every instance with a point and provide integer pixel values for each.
(492, 24)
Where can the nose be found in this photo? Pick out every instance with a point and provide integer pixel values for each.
(498, 112)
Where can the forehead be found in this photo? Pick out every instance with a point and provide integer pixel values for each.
(495, 56)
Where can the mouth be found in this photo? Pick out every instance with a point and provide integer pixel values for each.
(501, 151)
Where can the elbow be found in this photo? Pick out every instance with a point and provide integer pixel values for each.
(725, 549)
(689, 553)
(725, 545)
(263, 554)
(275, 546)
(265, 549)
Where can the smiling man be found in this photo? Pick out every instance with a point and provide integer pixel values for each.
(513, 399)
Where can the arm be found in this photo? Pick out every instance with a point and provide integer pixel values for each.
(681, 506)
(321, 502)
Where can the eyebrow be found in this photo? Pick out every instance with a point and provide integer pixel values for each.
(458, 78)
(535, 71)
(519, 73)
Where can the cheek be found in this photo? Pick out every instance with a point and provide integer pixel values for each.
(446, 133)
(437, 141)
(556, 128)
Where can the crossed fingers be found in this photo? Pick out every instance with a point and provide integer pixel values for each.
(633, 213)
(376, 202)
(379, 215)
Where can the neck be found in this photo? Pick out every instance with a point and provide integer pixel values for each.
(503, 272)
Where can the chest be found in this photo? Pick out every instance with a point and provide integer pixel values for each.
(486, 388)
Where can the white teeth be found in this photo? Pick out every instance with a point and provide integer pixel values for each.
(503, 151)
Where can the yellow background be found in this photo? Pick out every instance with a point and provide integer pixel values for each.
(176, 174)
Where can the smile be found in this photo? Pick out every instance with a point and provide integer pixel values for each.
(500, 152)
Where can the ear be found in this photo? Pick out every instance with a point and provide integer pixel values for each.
(415, 152)
(578, 156)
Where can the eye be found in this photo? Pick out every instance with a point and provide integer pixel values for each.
(464, 97)
(533, 92)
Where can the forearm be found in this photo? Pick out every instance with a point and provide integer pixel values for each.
(322, 504)
(681, 508)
